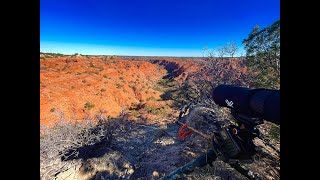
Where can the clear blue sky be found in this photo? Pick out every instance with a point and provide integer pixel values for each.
(149, 27)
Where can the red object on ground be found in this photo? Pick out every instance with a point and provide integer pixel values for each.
(184, 134)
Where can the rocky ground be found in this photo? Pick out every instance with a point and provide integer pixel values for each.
(151, 151)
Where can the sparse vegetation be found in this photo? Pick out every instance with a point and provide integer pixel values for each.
(51, 55)
(274, 132)
(66, 141)
(119, 85)
(162, 111)
(65, 67)
(135, 113)
(88, 105)
(91, 72)
(97, 67)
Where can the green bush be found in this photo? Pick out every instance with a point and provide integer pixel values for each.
(274, 132)
(105, 76)
(119, 85)
(135, 113)
(150, 109)
(88, 105)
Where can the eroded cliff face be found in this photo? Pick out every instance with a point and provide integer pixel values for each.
(67, 85)
(178, 69)
(80, 87)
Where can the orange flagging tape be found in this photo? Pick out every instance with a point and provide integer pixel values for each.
(184, 134)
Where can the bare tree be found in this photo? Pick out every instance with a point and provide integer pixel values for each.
(221, 52)
(231, 49)
(209, 54)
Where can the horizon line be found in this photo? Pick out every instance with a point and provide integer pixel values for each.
(135, 55)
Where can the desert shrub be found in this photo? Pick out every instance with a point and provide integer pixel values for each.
(106, 76)
(97, 67)
(121, 78)
(134, 104)
(91, 72)
(61, 144)
(274, 132)
(119, 85)
(163, 82)
(52, 109)
(100, 68)
(150, 109)
(103, 90)
(127, 66)
(88, 105)
(135, 113)
(151, 98)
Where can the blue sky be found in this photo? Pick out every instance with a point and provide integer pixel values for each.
(149, 27)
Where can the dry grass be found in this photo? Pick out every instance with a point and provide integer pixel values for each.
(60, 145)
